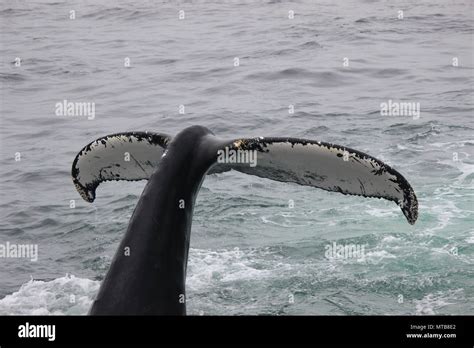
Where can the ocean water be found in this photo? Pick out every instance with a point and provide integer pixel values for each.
(258, 246)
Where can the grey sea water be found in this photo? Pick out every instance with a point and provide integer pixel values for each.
(258, 246)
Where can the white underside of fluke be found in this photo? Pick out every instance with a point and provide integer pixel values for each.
(136, 155)
(128, 156)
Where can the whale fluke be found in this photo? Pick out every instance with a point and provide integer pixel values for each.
(323, 165)
(326, 166)
(123, 156)
(148, 272)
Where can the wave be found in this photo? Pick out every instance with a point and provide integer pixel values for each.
(240, 281)
(12, 77)
(65, 295)
(431, 304)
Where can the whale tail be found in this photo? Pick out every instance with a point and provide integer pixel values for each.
(123, 156)
(136, 155)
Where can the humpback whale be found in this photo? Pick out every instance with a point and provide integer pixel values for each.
(148, 272)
